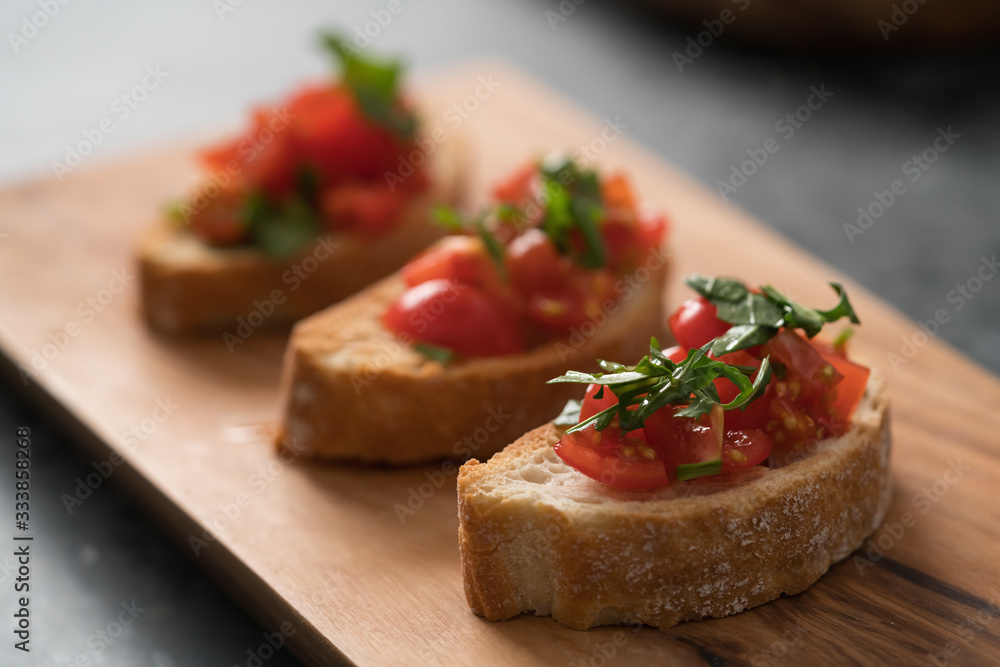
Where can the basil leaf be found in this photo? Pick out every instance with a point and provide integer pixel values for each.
(442, 355)
(570, 414)
(281, 230)
(374, 86)
(843, 307)
(448, 218)
(686, 471)
(741, 337)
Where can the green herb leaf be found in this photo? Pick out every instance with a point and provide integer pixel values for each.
(448, 218)
(280, 230)
(570, 414)
(574, 202)
(686, 471)
(374, 85)
(843, 337)
(442, 355)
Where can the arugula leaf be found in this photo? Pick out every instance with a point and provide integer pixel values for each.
(374, 85)
(756, 318)
(657, 381)
(442, 355)
(570, 414)
(686, 471)
(448, 218)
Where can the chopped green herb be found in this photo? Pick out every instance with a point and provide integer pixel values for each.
(657, 381)
(374, 84)
(280, 229)
(442, 355)
(570, 414)
(756, 318)
(686, 471)
(842, 338)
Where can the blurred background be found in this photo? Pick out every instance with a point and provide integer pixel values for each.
(901, 91)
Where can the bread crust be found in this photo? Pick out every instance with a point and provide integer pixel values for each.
(537, 536)
(187, 286)
(351, 390)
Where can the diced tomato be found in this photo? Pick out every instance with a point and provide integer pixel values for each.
(744, 449)
(681, 440)
(849, 391)
(518, 186)
(533, 263)
(616, 192)
(815, 374)
(609, 457)
(463, 319)
(754, 416)
(365, 208)
(216, 220)
(591, 405)
(676, 354)
(557, 309)
(694, 323)
(652, 227)
(621, 242)
(331, 132)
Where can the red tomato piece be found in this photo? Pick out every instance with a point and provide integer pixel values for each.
(463, 319)
(591, 405)
(652, 227)
(556, 310)
(849, 391)
(365, 208)
(217, 221)
(676, 354)
(533, 263)
(622, 242)
(815, 374)
(680, 440)
(518, 186)
(743, 449)
(694, 323)
(612, 458)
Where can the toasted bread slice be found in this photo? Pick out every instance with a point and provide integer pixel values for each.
(538, 536)
(352, 390)
(188, 286)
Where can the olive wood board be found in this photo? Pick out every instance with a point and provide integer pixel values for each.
(323, 547)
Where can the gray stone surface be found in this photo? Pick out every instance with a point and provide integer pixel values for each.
(67, 77)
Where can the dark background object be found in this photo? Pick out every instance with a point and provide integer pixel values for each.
(703, 116)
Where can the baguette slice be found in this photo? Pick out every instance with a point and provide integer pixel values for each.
(538, 536)
(352, 390)
(188, 286)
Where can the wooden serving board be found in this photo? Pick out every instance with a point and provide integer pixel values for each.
(322, 547)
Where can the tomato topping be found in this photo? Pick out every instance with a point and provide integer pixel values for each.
(463, 319)
(533, 263)
(745, 448)
(517, 187)
(609, 457)
(683, 441)
(815, 374)
(848, 392)
(694, 323)
(366, 208)
(215, 219)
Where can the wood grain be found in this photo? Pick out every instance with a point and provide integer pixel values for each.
(322, 546)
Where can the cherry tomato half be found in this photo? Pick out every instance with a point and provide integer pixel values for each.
(694, 323)
(609, 457)
(463, 319)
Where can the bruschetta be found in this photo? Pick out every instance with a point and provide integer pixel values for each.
(708, 478)
(448, 357)
(323, 195)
